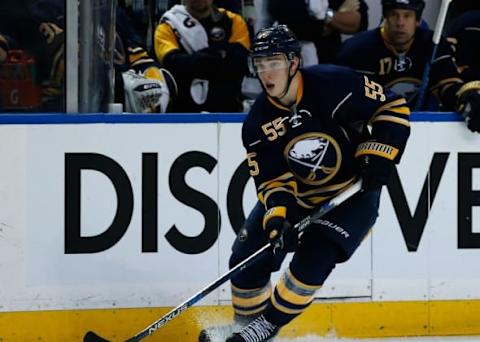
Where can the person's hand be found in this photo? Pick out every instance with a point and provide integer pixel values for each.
(375, 171)
(349, 6)
(318, 8)
(469, 108)
(279, 231)
(214, 52)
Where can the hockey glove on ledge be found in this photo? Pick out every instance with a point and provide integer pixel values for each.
(469, 104)
(375, 171)
(279, 231)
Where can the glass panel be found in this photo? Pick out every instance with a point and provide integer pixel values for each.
(32, 49)
(97, 39)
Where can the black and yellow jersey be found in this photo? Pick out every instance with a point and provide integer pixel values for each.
(224, 27)
(370, 54)
(223, 63)
(307, 153)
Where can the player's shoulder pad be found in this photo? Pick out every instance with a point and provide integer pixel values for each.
(469, 18)
(252, 121)
(423, 35)
(360, 40)
(256, 110)
(329, 74)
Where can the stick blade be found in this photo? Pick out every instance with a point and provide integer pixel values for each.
(92, 337)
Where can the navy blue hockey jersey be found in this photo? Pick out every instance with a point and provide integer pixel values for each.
(307, 153)
(464, 33)
(370, 54)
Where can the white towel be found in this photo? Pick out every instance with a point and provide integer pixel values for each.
(193, 37)
(190, 32)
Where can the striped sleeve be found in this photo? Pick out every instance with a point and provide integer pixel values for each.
(445, 78)
(283, 185)
(390, 131)
(395, 112)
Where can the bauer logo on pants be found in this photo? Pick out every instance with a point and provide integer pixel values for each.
(334, 226)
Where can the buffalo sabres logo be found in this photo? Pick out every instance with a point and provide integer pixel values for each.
(217, 34)
(296, 117)
(313, 157)
(402, 63)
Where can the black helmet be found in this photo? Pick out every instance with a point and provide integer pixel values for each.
(414, 5)
(275, 40)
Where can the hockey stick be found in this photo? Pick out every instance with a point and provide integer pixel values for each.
(437, 34)
(301, 226)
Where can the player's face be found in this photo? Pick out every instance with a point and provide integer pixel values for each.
(273, 73)
(400, 26)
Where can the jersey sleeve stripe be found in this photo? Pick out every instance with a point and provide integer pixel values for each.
(378, 149)
(400, 110)
(285, 178)
(439, 58)
(393, 119)
(394, 103)
(473, 85)
(312, 198)
(303, 204)
(290, 184)
(446, 81)
(330, 189)
(265, 194)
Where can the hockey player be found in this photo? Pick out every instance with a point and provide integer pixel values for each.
(396, 54)
(140, 83)
(37, 26)
(464, 33)
(306, 139)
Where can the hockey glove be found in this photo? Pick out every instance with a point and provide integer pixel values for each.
(147, 91)
(375, 171)
(215, 53)
(279, 231)
(469, 105)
